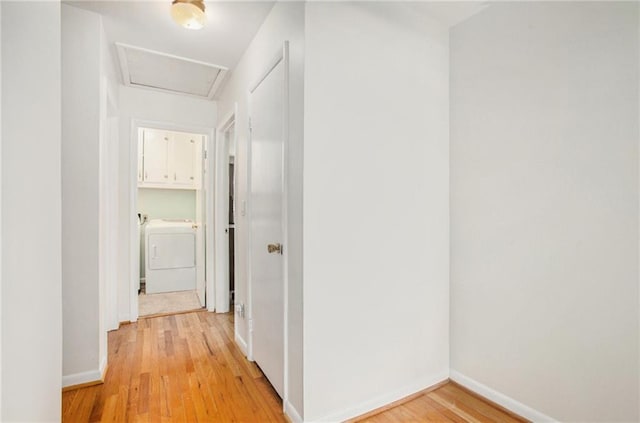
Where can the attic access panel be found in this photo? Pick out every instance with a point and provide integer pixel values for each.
(160, 71)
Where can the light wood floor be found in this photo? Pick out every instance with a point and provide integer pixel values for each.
(448, 403)
(186, 368)
(181, 368)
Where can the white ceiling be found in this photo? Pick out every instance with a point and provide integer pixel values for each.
(453, 12)
(230, 27)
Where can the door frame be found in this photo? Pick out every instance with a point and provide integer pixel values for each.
(134, 235)
(281, 56)
(112, 128)
(220, 303)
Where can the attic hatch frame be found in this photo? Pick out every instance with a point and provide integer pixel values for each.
(122, 48)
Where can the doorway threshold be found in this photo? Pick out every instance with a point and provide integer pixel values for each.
(166, 303)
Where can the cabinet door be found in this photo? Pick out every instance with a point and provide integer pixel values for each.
(183, 159)
(140, 155)
(156, 157)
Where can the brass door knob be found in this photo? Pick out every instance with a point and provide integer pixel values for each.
(274, 248)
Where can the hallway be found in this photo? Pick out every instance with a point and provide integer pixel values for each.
(178, 368)
(186, 368)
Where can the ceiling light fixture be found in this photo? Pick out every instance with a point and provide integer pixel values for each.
(188, 13)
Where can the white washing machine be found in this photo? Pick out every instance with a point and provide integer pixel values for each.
(170, 256)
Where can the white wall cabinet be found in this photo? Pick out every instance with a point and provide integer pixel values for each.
(140, 149)
(169, 160)
(183, 153)
(155, 157)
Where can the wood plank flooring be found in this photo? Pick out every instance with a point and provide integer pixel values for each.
(447, 403)
(180, 368)
(186, 368)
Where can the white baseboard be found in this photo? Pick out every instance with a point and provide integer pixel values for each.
(81, 378)
(86, 377)
(293, 414)
(382, 400)
(103, 367)
(242, 344)
(500, 399)
(111, 326)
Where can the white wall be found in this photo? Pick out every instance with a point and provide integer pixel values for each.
(376, 206)
(136, 103)
(83, 115)
(111, 229)
(0, 209)
(285, 22)
(109, 175)
(544, 207)
(167, 203)
(31, 255)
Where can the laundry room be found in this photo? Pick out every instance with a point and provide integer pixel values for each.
(170, 213)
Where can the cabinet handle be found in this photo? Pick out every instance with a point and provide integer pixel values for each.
(191, 178)
(175, 176)
(166, 176)
(146, 175)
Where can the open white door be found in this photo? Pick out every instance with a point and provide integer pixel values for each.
(268, 120)
(200, 217)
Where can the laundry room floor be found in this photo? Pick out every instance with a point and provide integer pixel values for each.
(167, 303)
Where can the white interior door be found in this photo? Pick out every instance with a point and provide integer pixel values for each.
(200, 171)
(266, 228)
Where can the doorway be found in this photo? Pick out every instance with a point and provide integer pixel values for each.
(232, 229)
(169, 197)
(225, 215)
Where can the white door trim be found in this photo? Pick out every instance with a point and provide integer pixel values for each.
(281, 56)
(134, 249)
(220, 157)
(111, 301)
